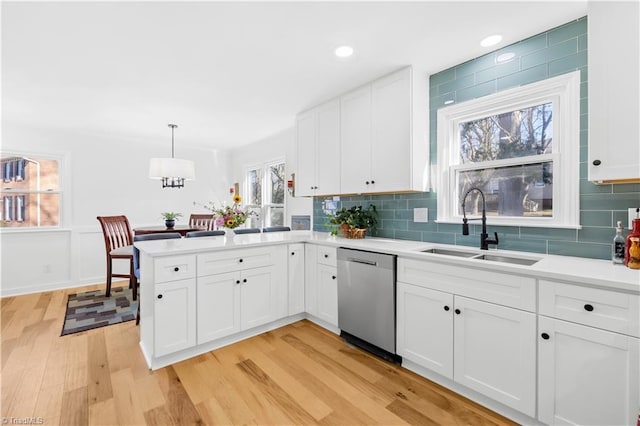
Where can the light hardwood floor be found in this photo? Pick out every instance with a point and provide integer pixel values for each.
(298, 374)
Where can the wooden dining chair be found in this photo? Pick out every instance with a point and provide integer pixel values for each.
(136, 256)
(204, 221)
(118, 241)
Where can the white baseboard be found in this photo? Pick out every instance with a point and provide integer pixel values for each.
(60, 285)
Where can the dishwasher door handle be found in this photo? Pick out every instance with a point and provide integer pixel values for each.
(365, 262)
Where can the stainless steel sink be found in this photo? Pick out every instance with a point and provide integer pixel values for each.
(446, 252)
(507, 259)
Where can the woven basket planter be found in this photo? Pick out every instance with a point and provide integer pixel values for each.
(352, 233)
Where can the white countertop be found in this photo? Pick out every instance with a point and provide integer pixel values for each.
(593, 272)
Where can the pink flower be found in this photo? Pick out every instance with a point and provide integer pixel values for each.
(219, 221)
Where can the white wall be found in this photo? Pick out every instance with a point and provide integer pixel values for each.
(106, 176)
(280, 145)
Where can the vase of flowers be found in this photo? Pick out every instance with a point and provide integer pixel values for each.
(229, 217)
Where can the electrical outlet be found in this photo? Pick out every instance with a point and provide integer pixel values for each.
(633, 215)
(420, 215)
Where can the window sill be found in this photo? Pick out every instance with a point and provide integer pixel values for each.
(498, 222)
(33, 230)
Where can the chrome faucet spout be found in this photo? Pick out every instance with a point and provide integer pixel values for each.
(484, 237)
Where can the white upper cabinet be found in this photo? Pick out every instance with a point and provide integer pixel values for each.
(391, 132)
(614, 41)
(377, 142)
(318, 145)
(355, 171)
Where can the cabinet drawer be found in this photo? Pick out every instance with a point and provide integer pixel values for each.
(609, 310)
(174, 268)
(504, 289)
(234, 260)
(327, 256)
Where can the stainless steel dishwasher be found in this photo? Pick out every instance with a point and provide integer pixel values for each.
(367, 301)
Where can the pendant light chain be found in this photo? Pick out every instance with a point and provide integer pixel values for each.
(173, 126)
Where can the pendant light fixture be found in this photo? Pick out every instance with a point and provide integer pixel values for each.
(172, 171)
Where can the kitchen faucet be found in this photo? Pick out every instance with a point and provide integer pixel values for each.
(484, 237)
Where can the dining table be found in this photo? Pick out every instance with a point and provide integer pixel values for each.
(182, 229)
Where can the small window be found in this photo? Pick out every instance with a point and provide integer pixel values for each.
(265, 189)
(31, 194)
(520, 148)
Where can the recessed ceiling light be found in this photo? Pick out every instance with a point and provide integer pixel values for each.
(491, 40)
(344, 51)
(505, 57)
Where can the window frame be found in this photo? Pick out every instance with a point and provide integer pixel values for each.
(62, 192)
(564, 93)
(264, 169)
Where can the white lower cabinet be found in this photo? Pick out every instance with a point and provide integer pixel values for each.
(494, 352)
(218, 306)
(174, 316)
(296, 278)
(425, 327)
(486, 347)
(242, 299)
(327, 294)
(586, 376)
(321, 284)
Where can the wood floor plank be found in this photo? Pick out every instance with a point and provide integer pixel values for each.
(308, 372)
(103, 413)
(179, 406)
(74, 410)
(127, 404)
(159, 416)
(99, 376)
(212, 413)
(299, 392)
(298, 374)
(275, 393)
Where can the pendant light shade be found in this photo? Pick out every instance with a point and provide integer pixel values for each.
(172, 171)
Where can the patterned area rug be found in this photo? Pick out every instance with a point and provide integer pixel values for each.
(92, 309)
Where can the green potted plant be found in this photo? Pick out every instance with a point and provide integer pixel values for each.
(170, 218)
(355, 221)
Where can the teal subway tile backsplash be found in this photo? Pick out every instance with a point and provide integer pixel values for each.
(557, 51)
(568, 31)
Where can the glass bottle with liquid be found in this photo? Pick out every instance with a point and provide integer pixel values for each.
(617, 255)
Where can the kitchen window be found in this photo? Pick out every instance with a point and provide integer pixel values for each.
(265, 189)
(31, 193)
(521, 148)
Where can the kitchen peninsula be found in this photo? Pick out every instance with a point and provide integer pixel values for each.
(527, 319)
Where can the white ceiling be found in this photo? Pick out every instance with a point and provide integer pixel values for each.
(229, 73)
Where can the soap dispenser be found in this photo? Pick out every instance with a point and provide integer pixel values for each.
(617, 256)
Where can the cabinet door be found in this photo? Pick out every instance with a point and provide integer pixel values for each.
(328, 148)
(174, 316)
(391, 135)
(613, 91)
(328, 294)
(257, 296)
(586, 376)
(306, 154)
(425, 327)
(311, 279)
(355, 156)
(218, 306)
(495, 352)
(296, 279)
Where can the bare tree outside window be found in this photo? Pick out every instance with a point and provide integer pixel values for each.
(266, 194)
(525, 189)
